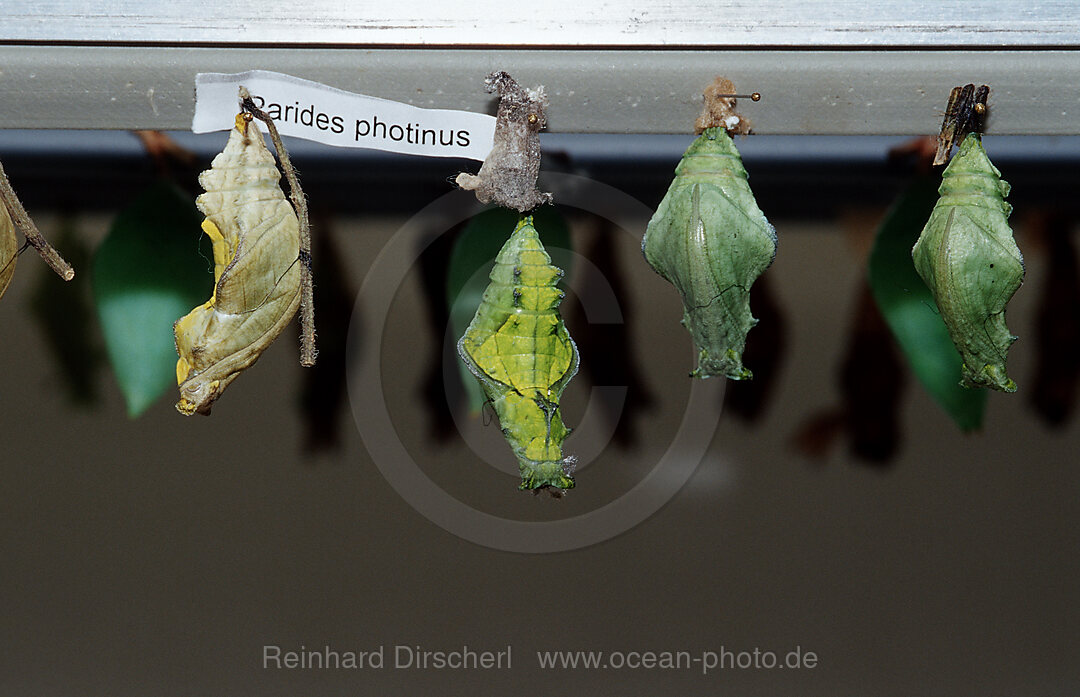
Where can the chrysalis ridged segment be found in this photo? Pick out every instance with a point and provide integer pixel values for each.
(518, 348)
(968, 259)
(709, 238)
(256, 242)
(9, 249)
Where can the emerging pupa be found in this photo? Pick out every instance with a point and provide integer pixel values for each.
(968, 259)
(256, 240)
(711, 241)
(518, 348)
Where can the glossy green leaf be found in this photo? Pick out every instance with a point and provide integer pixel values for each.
(152, 268)
(968, 259)
(472, 259)
(711, 241)
(908, 306)
(520, 352)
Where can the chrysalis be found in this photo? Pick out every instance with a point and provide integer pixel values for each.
(518, 348)
(256, 241)
(9, 250)
(508, 175)
(968, 259)
(710, 239)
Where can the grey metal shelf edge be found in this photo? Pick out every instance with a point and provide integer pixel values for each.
(881, 90)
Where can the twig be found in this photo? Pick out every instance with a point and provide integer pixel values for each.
(163, 150)
(963, 114)
(26, 226)
(308, 352)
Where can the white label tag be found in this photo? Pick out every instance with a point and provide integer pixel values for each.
(314, 111)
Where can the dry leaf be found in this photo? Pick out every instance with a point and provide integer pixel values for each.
(9, 249)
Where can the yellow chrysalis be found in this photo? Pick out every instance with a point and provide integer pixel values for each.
(256, 240)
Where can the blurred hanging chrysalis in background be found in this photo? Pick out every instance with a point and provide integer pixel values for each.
(144, 274)
(608, 353)
(1057, 325)
(711, 241)
(323, 398)
(966, 254)
(64, 315)
(765, 346)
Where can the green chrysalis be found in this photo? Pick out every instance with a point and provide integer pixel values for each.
(968, 259)
(518, 348)
(710, 240)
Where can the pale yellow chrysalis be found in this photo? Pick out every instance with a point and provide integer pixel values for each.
(256, 239)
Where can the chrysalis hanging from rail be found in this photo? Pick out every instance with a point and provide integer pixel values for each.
(256, 240)
(518, 348)
(709, 238)
(966, 254)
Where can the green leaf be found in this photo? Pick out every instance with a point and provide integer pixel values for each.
(152, 268)
(472, 259)
(909, 309)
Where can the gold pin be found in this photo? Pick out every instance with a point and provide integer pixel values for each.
(753, 96)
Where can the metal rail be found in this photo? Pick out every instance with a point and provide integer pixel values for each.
(825, 92)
